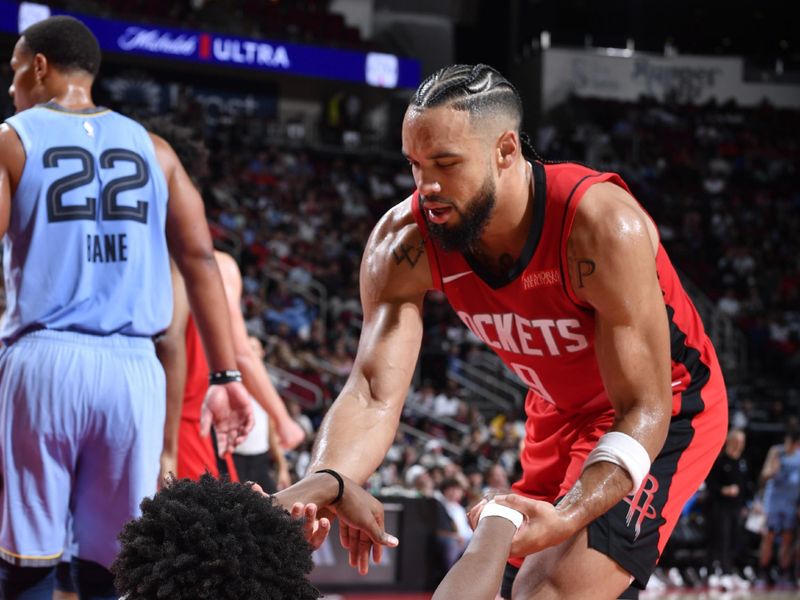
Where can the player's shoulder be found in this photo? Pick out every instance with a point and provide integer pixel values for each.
(8, 135)
(397, 224)
(395, 256)
(607, 213)
(12, 153)
(228, 266)
(165, 154)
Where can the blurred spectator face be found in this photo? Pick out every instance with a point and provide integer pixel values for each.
(437, 475)
(410, 455)
(453, 492)
(497, 478)
(424, 484)
(734, 446)
(475, 479)
(450, 470)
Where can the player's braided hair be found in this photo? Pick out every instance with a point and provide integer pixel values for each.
(213, 540)
(66, 43)
(478, 89)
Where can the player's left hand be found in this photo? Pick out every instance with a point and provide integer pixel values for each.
(361, 526)
(543, 527)
(229, 408)
(168, 468)
(315, 527)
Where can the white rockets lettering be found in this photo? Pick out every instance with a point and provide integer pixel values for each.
(513, 333)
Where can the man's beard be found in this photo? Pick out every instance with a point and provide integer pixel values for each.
(464, 236)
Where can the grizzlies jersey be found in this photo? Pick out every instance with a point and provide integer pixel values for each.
(86, 247)
(783, 490)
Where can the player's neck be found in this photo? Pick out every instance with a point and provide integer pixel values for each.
(74, 96)
(508, 229)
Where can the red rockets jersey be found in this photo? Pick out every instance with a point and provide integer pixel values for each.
(194, 391)
(532, 318)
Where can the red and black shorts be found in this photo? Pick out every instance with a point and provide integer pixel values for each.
(634, 532)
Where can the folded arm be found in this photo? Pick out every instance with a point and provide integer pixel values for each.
(611, 252)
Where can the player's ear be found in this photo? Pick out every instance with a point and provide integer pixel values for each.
(507, 149)
(40, 67)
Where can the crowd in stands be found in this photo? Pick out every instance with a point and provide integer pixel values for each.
(717, 179)
(720, 182)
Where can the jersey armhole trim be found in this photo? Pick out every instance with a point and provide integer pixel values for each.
(430, 247)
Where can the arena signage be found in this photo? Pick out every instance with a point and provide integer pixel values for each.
(157, 42)
(375, 69)
(682, 78)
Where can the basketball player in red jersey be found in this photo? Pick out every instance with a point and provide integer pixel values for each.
(560, 271)
(186, 453)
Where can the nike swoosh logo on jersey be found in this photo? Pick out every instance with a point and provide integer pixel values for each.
(450, 278)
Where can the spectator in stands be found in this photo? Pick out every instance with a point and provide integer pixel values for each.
(728, 486)
(454, 532)
(497, 478)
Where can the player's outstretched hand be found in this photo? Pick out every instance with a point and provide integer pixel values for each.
(229, 408)
(361, 528)
(169, 466)
(315, 527)
(543, 526)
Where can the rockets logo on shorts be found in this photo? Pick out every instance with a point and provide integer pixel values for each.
(642, 503)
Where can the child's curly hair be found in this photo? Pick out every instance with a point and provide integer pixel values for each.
(213, 540)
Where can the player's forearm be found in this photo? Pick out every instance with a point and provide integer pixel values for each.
(478, 573)
(257, 381)
(320, 489)
(600, 487)
(603, 484)
(206, 298)
(275, 449)
(355, 435)
(173, 360)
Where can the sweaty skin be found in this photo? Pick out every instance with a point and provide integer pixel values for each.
(612, 242)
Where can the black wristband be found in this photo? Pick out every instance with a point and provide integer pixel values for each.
(339, 479)
(221, 377)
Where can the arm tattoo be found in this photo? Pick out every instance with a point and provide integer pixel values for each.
(585, 268)
(408, 253)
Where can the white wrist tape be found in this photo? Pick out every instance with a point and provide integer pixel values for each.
(621, 449)
(492, 509)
